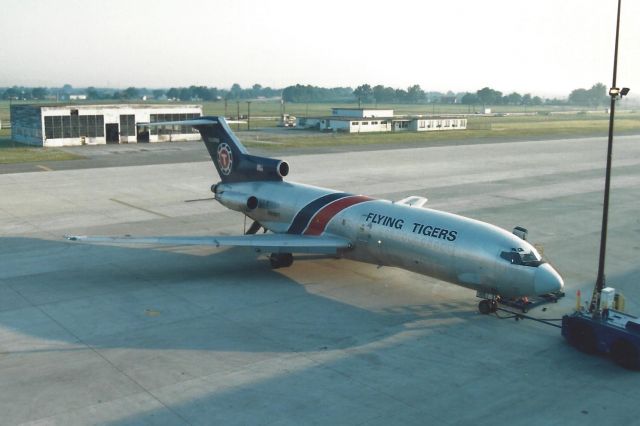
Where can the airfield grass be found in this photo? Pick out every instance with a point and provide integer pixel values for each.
(542, 122)
(479, 128)
(14, 152)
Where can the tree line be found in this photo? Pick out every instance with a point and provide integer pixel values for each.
(191, 93)
(363, 94)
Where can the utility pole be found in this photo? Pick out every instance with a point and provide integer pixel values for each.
(248, 115)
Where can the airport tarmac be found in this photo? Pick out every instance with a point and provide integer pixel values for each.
(93, 334)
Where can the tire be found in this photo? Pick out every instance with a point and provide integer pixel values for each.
(484, 307)
(280, 260)
(286, 260)
(583, 338)
(625, 354)
(274, 260)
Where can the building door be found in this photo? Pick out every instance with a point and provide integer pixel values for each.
(142, 134)
(112, 133)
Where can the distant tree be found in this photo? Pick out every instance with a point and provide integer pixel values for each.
(415, 94)
(92, 93)
(598, 94)
(173, 93)
(256, 90)
(536, 100)
(514, 98)
(401, 95)
(131, 93)
(39, 93)
(383, 94)
(526, 99)
(185, 94)
(308, 93)
(470, 99)
(363, 93)
(488, 96)
(158, 93)
(579, 97)
(236, 91)
(593, 97)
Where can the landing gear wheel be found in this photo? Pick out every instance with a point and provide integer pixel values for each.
(281, 260)
(487, 306)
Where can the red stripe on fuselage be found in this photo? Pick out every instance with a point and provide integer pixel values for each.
(324, 215)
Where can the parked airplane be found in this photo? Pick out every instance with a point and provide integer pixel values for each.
(405, 234)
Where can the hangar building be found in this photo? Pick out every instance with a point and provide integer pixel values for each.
(80, 124)
(361, 120)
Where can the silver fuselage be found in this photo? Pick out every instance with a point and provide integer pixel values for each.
(446, 246)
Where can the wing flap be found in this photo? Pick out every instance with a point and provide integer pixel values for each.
(272, 243)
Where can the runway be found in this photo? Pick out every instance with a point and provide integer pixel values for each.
(94, 334)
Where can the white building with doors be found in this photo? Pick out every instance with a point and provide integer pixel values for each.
(351, 120)
(80, 124)
(363, 120)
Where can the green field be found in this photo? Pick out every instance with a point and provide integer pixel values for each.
(509, 124)
(13, 152)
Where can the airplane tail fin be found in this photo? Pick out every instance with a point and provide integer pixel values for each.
(231, 159)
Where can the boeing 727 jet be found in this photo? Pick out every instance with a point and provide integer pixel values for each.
(298, 218)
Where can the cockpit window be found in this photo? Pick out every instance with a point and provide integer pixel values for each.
(519, 256)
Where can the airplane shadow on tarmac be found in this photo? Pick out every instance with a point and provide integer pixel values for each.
(109, 296)
(223, 339)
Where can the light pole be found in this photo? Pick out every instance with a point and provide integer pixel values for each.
(615, 93)
(238, 116)
(248, 115)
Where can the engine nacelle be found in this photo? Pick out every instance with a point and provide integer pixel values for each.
(264, 168)
(237, 201)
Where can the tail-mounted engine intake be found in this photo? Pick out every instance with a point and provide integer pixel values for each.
(236, 200)
(263, 167)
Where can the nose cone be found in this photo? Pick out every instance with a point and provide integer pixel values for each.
(547, 280)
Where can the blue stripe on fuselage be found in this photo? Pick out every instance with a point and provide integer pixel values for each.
(303, 217)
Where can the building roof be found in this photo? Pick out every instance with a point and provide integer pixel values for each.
(362, 109)
(105, 106)
(394, 118)
(347, 118)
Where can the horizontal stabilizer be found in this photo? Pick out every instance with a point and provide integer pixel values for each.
(272, 243)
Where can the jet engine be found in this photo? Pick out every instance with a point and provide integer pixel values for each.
(264, 166)
(236, 200)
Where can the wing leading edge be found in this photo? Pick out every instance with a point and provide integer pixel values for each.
(272, 243)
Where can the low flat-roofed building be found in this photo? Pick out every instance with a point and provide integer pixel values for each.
(362, 120)
(362, 112)
(80, 124)
(346, 124)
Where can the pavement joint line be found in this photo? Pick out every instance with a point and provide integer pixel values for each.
(124, 203)
(44, 168)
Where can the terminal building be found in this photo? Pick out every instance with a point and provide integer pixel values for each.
(361, 120)
(80, 124)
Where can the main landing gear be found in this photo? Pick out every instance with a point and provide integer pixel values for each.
(281, 260)
(487, 306)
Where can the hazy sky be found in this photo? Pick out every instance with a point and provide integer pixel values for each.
(547, 47)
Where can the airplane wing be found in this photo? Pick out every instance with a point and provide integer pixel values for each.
(271, 243)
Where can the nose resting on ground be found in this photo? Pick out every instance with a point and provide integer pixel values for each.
(547, 280)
